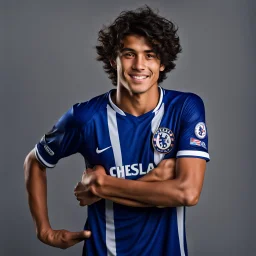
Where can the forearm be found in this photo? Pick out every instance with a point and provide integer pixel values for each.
(152, 176)
(36, 185)
(164, 171)
(164, 193)
(128, 202)
(184, 189)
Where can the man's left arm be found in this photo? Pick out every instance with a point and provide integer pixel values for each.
(165, 170)
(185, 189)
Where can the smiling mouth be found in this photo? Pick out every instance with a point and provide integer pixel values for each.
(138, 77)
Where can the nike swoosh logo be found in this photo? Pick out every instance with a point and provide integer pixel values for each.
(98, 151)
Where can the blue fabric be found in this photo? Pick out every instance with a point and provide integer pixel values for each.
(84, 128)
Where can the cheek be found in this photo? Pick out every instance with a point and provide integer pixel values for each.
(155, 69)
(126, 64)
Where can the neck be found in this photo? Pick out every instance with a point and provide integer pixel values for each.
(136, 104)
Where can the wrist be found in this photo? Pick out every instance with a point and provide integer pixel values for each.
(96, 187)
(42, 234)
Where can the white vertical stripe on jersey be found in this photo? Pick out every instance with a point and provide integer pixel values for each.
(110, 229)
(114, 136)
(154, 126)
(180, 222)
(110, 223)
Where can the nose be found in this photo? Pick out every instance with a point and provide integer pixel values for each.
(138, 63)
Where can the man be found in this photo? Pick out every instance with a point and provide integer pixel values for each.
(135, 190)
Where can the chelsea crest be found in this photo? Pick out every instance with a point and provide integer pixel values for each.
(163, 140)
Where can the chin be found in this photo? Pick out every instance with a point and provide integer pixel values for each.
(138, 89)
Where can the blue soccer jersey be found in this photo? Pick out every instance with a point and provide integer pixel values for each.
(129, 147)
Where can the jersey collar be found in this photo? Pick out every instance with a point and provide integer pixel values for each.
(121, 112)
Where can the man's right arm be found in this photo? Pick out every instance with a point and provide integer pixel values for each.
(36, 185)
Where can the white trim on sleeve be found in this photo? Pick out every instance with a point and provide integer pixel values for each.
(192, 153)
(40, 158)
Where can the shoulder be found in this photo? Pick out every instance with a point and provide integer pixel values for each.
(189, 104)
(183, 97)
(81, 113)
(84, 111)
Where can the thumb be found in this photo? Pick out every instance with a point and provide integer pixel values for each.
(86, 233)
(82, 234)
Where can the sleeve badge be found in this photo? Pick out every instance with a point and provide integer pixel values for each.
(200, 130)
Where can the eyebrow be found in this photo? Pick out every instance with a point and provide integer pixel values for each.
(132, 50)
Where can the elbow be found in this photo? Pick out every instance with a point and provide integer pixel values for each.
(190, 197)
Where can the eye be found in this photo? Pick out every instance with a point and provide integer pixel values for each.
(128, 55)
(151, 56)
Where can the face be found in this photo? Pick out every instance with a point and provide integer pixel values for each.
(137, 65)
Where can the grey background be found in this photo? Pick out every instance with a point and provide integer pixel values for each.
(48, 64)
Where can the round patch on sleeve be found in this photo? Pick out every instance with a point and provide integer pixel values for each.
(163, 140)
(200, 130)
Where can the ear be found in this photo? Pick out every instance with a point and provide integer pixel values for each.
(162, 67)
(113, 64)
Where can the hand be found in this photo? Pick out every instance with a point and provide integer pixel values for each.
(85, 196)
(92, 176)
(62, 238)
(84, 189)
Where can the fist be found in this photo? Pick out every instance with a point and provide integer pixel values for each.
(62, 238)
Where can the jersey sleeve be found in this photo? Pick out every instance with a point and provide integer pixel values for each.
(193, 138)
(62, 140)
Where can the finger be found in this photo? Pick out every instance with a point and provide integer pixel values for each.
(81, 199)
(80, 193)
(82, 203)
(86, 180)
(79, 186)
(80, 235)
(86, 172)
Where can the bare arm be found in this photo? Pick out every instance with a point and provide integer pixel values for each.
(36, 185)
(185, 189)
(164, 171)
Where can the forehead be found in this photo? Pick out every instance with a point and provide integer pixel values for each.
(136, 42)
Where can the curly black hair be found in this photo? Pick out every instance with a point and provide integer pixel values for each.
(160, 33)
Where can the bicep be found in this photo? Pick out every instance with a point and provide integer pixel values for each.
(32, 165)
(190, 172)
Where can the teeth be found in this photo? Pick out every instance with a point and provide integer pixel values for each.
(139, 77)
